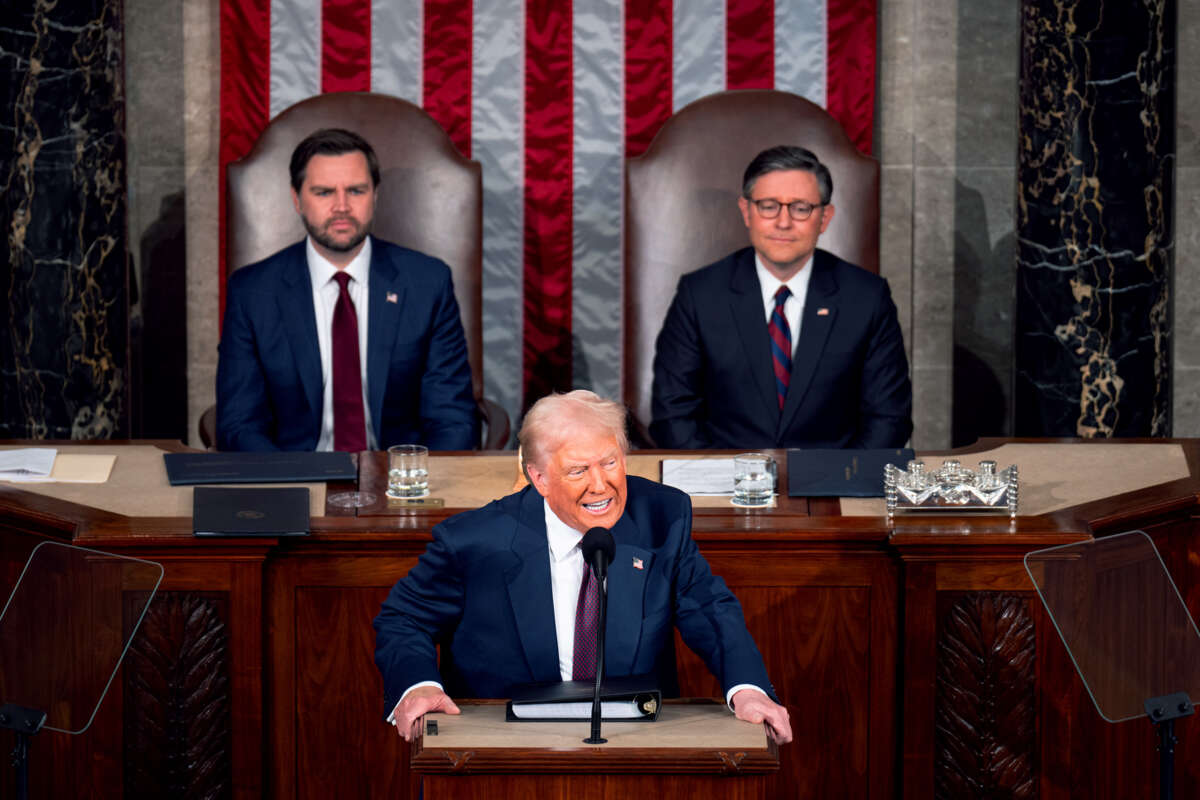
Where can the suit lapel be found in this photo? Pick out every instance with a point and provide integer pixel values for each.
(384, 302)
(749, 317)
(529, 590)
(820, 312)
(626, 590)
(300, 320)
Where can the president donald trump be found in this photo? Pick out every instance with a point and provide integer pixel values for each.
(499, 587)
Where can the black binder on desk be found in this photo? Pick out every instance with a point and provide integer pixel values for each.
(841, 473)
(631, 699)
(186, 469)
(274, 511)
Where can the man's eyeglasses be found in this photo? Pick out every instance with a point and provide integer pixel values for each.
(799, 210)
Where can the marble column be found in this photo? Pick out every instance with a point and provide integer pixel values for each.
(63, 318)
(1096, 161)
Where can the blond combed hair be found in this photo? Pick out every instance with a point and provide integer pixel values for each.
(556, 417)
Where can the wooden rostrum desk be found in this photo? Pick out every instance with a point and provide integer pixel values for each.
(915, 658)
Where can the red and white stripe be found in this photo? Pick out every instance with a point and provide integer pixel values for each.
(550, 96)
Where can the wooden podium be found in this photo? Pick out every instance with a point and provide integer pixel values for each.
(695, 750)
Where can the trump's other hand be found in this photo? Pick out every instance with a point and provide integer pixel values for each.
(751, 705)
(418, 703)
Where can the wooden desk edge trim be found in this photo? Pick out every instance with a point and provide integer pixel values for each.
(585, 759)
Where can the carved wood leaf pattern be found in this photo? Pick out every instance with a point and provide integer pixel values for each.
(985, 708)
(177, 709)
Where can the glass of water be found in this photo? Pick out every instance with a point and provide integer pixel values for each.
(408, 471)
(753, 479)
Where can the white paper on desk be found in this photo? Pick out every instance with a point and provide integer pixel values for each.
(27, 463)
(609, 709)
(699, 476)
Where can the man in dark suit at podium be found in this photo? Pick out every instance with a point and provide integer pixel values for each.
(782, 344)
(342, 341)
(500, 587)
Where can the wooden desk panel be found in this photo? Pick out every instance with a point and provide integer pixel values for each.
(328, 735)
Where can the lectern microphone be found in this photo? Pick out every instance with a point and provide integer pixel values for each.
(598, 550)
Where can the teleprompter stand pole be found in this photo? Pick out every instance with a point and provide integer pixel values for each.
(25, 722)
(1163, 711)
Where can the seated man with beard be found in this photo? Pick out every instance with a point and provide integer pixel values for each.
(342, 341)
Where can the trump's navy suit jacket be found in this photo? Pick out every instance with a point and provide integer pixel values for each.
(270, 389)
(714, 383)
(482, 588)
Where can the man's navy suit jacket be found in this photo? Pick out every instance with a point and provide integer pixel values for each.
(714, 382)
(270, 389)
(482, 589)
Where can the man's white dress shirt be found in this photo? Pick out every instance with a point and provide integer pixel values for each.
(325, 296)
(793, 309)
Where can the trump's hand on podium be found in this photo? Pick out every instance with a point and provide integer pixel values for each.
(751, 705)
(416, 704)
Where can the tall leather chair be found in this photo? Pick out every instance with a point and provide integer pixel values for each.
(681, 208)
(430, 199)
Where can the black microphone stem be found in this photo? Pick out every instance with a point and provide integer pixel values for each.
(598, 549)
(595, 738)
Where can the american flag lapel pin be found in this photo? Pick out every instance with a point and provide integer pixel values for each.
(392, 297)
(822, 312)
(637, 564)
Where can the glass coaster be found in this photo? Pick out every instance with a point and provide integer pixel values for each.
(733, 501)
(351, 499)
(395, 498)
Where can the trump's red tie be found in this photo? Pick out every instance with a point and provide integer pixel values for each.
(781, 345)
(587, 623)
(349, 423)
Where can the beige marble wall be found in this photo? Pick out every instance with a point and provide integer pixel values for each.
(1186, 389)
(946, 128)
(172, 69)
(916, 140)
(894, 136)
(154, 133)
(154, 126)
(201, 103)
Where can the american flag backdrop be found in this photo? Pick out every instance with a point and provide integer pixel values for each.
(550, 96)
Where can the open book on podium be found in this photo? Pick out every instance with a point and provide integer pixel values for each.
(630, 699)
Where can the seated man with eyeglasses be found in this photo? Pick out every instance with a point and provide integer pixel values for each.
(782, 344)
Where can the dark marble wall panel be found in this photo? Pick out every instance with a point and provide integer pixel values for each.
(63, 319)
(1094, 218)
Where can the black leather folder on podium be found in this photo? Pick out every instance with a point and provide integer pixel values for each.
(271, 511)
(631, 699)
(841, 473)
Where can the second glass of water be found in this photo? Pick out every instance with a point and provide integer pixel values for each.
(753, 479)
(408, 471)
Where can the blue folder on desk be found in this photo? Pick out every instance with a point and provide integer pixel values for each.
(187, 469)
(841, 473)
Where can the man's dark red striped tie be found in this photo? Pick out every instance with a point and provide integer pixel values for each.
(349, 423)
(781, 345)
(587, 623)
